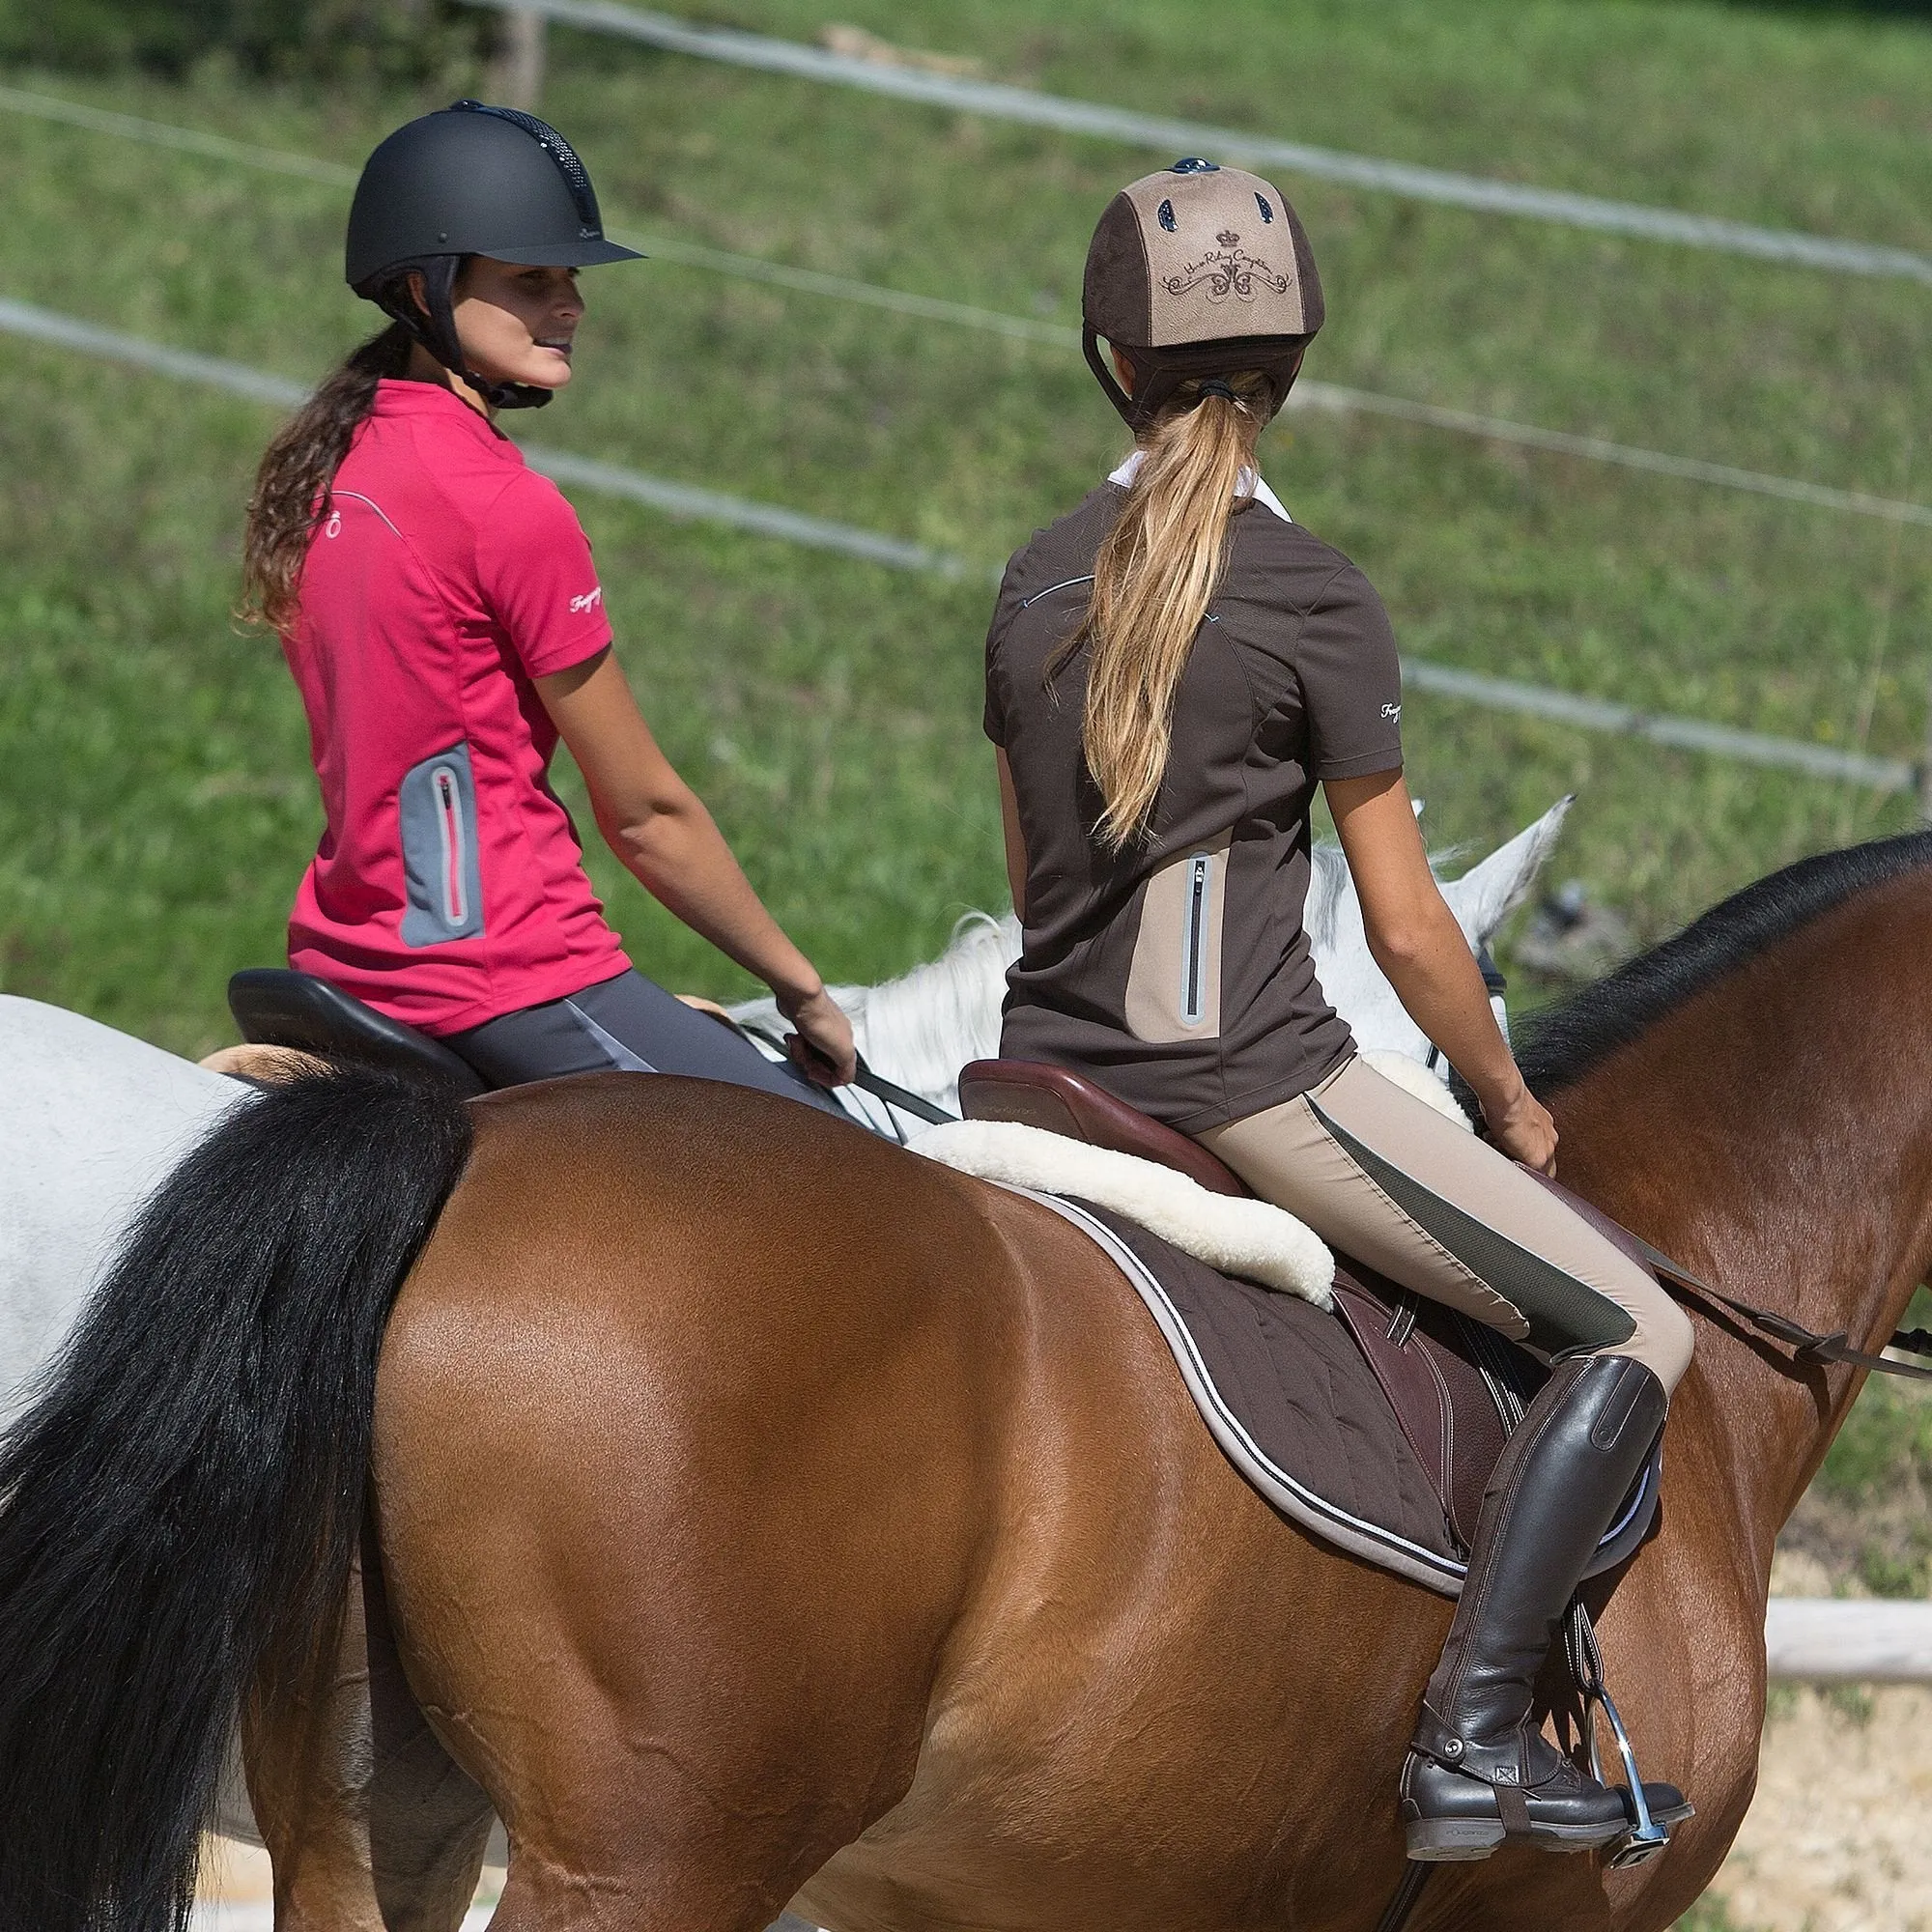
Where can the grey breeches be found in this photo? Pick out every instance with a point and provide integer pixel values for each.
(1381, 1175)
(629, 1024)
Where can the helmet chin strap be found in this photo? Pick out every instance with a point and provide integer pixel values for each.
(436, 331)
(1160, 373)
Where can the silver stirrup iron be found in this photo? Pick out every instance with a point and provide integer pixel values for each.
(1646, 1837)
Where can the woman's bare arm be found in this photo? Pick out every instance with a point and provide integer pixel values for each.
(1416, 941)
(658, 826)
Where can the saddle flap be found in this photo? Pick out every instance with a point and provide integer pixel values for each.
(1037, 1094)
(1443, 1405)
(1378, 1432)
(1441, 1374)
(276, 1007)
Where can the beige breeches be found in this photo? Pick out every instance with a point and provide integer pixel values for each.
(1381, 1175)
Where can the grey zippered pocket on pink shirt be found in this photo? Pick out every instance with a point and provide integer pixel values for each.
(437, 805)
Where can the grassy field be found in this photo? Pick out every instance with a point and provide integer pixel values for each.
(155, 805)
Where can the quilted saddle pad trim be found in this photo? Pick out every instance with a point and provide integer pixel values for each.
(1375, 1544)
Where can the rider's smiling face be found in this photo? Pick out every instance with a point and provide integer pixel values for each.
(516, 323)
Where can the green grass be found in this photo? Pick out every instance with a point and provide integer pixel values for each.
(1865, 1516)
(154, 799)
(1869, 1500)
(1885, 1440)
(155, 806)
(1709, 1914)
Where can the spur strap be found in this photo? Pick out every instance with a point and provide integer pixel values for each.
(1499, 1764)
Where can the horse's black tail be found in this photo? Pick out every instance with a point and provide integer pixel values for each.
(182, 1503)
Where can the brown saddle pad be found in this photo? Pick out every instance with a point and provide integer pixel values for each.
(1375, 1427)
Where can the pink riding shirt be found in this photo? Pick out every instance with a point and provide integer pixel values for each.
(449, 886)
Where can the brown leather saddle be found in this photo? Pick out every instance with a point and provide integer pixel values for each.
(1455, 1387)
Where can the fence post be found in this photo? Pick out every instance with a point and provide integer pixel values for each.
(523, 59)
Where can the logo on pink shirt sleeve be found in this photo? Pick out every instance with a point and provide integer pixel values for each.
(589, 601)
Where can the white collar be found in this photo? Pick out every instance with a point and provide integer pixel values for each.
(1250, 484)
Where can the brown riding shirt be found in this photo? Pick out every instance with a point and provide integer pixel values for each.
(1176, 974)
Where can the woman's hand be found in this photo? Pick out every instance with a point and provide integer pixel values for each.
(833, 1058)
(1522, 1128)
(1416, 941)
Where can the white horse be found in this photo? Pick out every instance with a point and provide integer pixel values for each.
(91, 1120)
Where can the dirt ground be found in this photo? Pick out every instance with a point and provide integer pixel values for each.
(236, 1893)
(1839, 1839)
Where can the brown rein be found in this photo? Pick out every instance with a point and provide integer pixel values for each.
(1811, 1346)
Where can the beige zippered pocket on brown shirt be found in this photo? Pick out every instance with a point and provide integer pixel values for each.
(1174, 984)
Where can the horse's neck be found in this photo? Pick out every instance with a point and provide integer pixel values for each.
(1774, 1134)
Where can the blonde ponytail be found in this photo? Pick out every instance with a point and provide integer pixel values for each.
(1156, 575)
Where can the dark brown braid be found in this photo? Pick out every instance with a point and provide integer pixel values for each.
(292, 486)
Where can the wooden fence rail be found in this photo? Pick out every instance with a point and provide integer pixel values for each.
(1837, 1640)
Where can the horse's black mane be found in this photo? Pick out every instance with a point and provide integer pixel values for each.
(1559, 1046)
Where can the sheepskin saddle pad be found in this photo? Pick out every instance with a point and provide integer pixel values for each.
(1365, 1414)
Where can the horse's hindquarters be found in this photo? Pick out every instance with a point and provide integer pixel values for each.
(678, 1508)
(1161, 1704)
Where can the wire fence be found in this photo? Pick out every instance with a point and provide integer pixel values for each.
(1308, 394)
(687, 501)
(1000, 101)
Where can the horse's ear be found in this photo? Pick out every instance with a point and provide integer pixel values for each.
(1486, 894)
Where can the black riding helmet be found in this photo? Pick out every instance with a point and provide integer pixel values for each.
(470, 181)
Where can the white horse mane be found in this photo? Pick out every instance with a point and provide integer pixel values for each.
(929, 1022)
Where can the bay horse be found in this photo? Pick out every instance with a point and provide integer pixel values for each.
(834, 1528)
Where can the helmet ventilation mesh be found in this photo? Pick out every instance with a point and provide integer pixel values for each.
(575, 176)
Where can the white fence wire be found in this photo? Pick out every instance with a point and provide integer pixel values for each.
(998, 100)
(1308, 393)
(771, 520)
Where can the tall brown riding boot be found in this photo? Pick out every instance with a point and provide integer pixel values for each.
(1478, 1771)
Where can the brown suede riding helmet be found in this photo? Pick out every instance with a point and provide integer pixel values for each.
(1197, 271)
